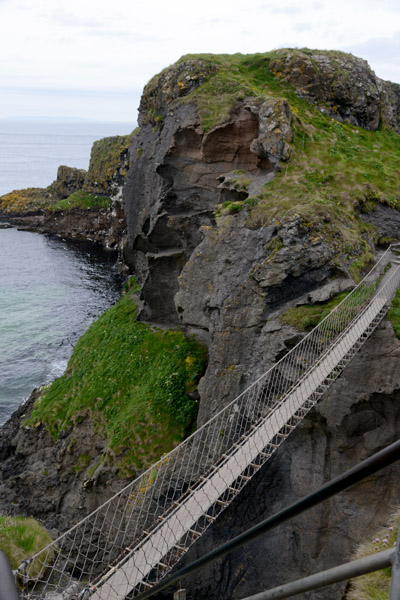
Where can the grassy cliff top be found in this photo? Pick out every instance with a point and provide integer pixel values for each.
(336, 170)
(217, 81)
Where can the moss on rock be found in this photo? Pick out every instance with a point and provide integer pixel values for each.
(21, 538)
(25, 201)
(109, 164)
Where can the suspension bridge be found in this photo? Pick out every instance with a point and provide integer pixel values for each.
(133, 540)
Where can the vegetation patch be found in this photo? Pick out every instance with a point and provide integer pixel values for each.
(375, 586)
(25, 201)
(80, 200)
(21, 538)
(308, 316)
(394, 314)
(108, 159)
(134, 381)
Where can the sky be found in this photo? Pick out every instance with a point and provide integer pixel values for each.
(90, 59)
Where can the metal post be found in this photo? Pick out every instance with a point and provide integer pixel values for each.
(178, 595)
(8, 589)
(395, 583)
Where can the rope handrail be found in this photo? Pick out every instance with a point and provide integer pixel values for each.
(137, 536)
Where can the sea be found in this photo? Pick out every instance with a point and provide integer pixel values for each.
(51, 289)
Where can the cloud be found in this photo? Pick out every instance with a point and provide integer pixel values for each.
(382, 49)
(290, 9)
(305, 26)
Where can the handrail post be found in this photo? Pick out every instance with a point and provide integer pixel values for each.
(395, 582)
(8, 589)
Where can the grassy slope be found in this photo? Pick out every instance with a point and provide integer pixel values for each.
(81, 200)
(133, 382)
(334, 169)
(375, 586)
(306, 317)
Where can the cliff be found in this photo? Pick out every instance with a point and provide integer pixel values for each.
(258, 185)
(243, 189)
(79, 203)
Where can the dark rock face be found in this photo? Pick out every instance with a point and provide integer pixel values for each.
(342, 85)
(177, 249)
(68, 181)
(174, 186)
(44, 478)
(385, 219)
(358, 417)
(105, 227)
(241, 293)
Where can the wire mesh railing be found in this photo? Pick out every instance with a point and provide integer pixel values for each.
(135, 538)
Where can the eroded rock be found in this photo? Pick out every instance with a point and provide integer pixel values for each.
(341, 85)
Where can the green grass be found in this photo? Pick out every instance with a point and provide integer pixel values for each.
(133, 381)
(308, 316)
(394, 314)
(80, 200)
(237, 76)
(375, 586)
(21, 538)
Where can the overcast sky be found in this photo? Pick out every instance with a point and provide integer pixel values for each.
(91, 58)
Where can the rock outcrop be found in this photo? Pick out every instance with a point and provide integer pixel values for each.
(341, 85)
(68, 181)
(48, 478)
(218, 256)
(205, 265)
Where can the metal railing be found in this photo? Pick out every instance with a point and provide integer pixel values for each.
(391, 557)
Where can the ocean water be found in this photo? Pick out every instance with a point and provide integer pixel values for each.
(50, 289)
(31, 152)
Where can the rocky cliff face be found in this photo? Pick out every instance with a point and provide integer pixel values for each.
(209, 263)
(47, 478)
(203, 265)
(341, 85)
(244, 198)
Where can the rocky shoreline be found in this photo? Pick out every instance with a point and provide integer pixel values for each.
(106, 227)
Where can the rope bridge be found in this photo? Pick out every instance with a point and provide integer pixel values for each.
(133, 540)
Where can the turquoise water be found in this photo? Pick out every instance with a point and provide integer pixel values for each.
(50, 292)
